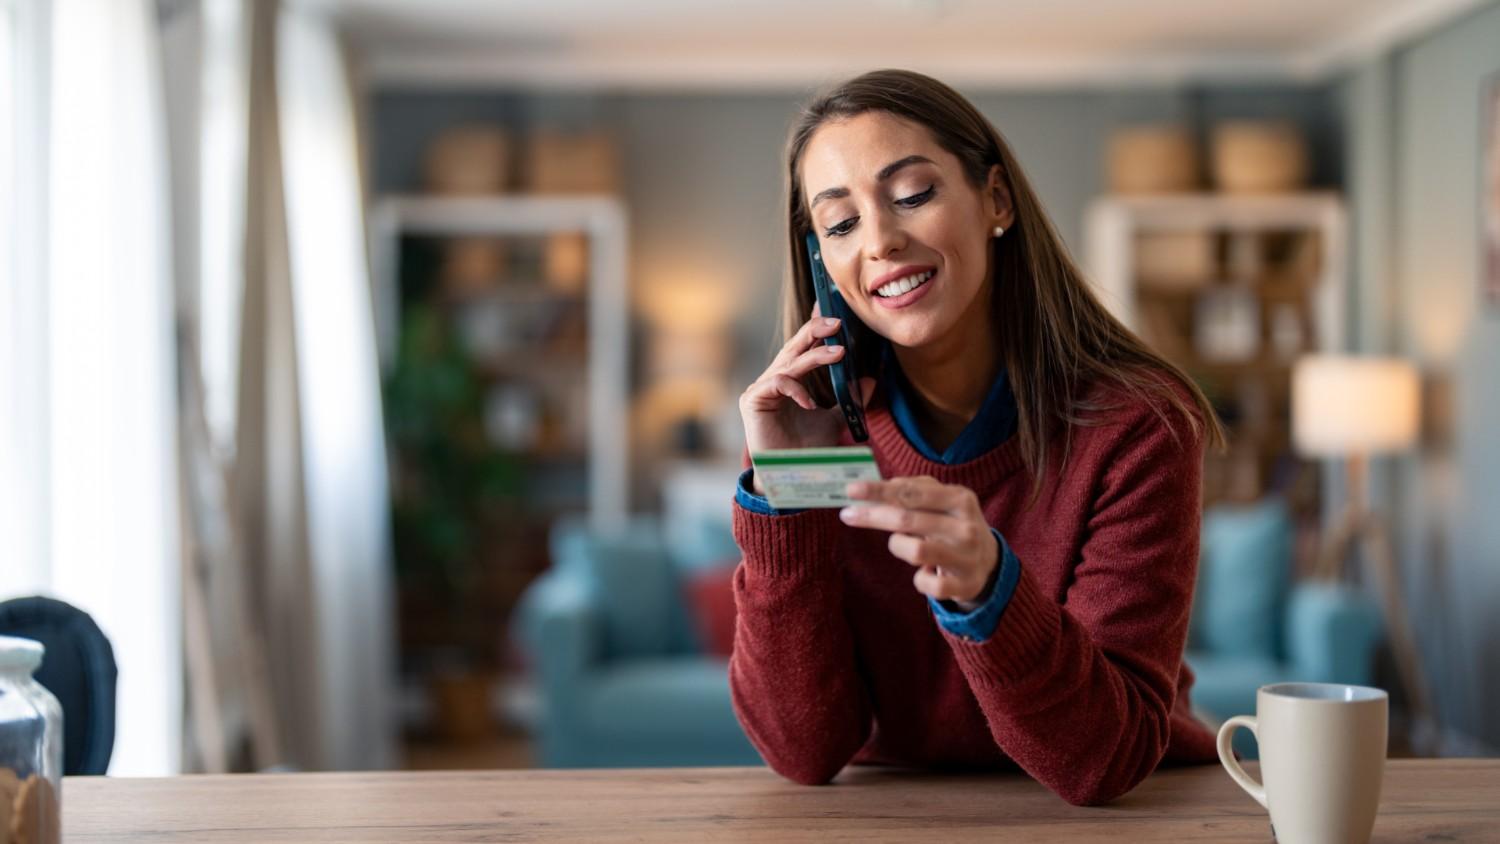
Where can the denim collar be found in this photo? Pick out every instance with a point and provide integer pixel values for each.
(993, 425)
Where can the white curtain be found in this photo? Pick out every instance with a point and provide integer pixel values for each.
(271, 246)
(291, 380)
(110, 466)
(24, 476)
(343, 443)
(224, 117)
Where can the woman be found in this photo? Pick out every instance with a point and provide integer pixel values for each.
(1017, 591)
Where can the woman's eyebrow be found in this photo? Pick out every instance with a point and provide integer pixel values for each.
(886, 172)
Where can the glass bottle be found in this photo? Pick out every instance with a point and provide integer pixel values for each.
(30, 749)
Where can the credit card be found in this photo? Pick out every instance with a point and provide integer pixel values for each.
(812, 477)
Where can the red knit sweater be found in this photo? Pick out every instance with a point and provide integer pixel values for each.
(837, 657)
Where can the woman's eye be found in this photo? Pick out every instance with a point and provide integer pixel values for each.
(916, 199)
(842, 228)
(839, 229)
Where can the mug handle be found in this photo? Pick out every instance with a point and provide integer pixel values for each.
(1232, 765)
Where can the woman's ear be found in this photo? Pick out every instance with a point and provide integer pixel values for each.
(1002, 212)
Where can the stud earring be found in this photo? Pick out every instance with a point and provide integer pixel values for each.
(999, 230)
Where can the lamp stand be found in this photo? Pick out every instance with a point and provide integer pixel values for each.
(1359, 525)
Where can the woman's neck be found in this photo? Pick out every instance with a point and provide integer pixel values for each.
(951, 378)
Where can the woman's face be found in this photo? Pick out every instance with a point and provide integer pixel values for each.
(892, 209)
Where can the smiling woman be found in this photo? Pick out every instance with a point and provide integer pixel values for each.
(1018, 593)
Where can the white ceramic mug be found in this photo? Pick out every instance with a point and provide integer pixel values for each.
(1322, 757)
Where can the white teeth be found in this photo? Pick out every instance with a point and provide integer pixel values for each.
(903, 285)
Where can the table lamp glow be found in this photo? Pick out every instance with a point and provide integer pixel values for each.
(1353, 408)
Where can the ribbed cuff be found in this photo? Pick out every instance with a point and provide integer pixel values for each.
(979, 624)
(1027, 631)
(799, 544)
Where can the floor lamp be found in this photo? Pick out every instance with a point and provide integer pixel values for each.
(1355, 408)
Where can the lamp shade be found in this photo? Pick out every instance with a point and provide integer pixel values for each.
(1343, 405)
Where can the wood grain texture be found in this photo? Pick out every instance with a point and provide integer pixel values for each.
(1423, 800)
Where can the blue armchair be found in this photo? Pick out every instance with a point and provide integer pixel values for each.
(623, 680)
(1252, 626)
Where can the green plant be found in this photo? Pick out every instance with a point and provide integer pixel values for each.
(450, 487)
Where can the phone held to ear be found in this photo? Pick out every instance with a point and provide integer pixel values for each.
(831, 304)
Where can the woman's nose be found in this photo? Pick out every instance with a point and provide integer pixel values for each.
(884, 236)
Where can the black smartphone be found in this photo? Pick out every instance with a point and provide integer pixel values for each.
(831, 304)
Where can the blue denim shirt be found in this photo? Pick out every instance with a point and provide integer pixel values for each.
(994, 424)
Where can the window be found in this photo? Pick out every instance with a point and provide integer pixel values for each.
(88, 486)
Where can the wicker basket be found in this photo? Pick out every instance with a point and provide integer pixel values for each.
(577, 163)
(469, 160)
(1153, 159)
(1178, 261)
(1259, 157)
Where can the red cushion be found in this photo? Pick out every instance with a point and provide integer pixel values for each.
(710, 597)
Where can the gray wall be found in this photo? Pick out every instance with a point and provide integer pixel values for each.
(1414, 158)
(703, 172)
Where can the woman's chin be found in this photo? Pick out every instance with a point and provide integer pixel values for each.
(912, 330)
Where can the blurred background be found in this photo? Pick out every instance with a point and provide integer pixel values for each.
(368, 367)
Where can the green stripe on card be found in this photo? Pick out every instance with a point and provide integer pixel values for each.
(805, 459)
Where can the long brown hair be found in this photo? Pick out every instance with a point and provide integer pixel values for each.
(1054, 336)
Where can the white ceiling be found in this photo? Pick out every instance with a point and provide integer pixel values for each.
(760, 44)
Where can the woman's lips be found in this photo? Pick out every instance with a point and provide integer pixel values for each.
(908, 298)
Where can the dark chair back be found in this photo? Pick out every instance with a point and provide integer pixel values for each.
(78, 668)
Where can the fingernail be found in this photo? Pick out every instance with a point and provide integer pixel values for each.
(847, 514)
(831, 321)
(855, 489)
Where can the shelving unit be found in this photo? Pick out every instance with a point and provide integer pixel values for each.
(1248, 285)
(598, 359)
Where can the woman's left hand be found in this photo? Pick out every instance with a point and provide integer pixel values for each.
(936, 527)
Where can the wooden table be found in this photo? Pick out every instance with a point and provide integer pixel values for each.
(1424, 800)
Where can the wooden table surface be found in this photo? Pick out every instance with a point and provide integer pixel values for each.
(1423, 800)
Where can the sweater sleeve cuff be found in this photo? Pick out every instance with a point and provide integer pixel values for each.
(744, 493)
(788, 543)
(979, 624)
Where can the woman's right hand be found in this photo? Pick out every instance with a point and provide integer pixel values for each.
(777, 409)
